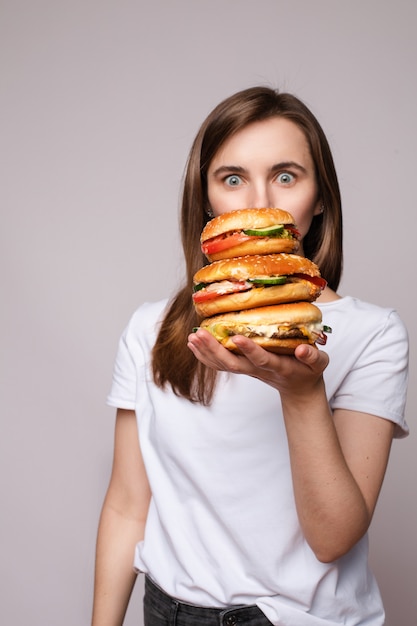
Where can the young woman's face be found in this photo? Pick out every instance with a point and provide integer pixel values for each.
(266, 164)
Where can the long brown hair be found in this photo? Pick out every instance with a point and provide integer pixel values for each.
(172, 362)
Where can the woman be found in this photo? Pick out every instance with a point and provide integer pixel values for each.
(243, 484)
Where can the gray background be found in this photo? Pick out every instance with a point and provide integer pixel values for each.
(100, 102)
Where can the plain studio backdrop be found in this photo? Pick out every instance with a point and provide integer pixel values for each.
(100, 101)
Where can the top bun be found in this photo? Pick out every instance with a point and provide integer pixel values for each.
(256, 265)
(249, 219)
(243, 219)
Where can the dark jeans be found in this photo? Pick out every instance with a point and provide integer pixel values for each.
(162, 610)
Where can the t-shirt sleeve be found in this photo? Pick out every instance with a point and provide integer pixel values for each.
(124, 382)
(377, 383)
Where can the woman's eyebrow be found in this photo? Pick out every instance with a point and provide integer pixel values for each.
(224, 169)
(288, 165)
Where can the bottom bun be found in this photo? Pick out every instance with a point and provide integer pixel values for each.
(278, 346)
(279, 328)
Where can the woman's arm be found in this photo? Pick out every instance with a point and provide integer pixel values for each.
(338, 464)
(122, 524)
(337, 461)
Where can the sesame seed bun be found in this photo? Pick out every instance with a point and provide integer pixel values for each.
(243, 269)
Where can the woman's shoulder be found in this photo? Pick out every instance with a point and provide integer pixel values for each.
(353, 305)
(361, 317)
(146, 317)
(150, 310)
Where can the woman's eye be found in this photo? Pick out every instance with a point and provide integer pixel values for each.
(285, 178)
(233, 180)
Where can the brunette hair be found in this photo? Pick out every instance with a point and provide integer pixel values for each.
(172, 362)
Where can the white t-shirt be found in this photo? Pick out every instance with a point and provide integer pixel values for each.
(222, 527)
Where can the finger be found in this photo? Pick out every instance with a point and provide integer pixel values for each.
(315, 359)
(210, 352)
(254, 353)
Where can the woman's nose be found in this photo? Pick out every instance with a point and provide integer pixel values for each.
(261, 197)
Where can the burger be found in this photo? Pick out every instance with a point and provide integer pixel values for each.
(249, 231)
(253, 281)
(278, 329)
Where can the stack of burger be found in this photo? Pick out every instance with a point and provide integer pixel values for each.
(256, 285)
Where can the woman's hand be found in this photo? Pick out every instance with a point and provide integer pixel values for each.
(290, 375)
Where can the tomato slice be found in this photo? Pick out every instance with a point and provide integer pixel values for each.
(296, 233)
(222, 288)
(317, 280)
(224, 241)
